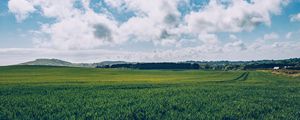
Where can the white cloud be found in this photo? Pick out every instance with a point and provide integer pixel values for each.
(295, 18)
(140, 28)
(210, 39)
(233, 37)
(168, 43)
(288, 35)
(233, 50)
(158, 21)
(271, 36)
(84, 28)
(265, 40)
(235, 44)
(59, 9)
(21, 8)
(238, 16)
(154, 21)
(84, 32)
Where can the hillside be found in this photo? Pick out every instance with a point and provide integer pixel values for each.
(48, 62)
(57, 62)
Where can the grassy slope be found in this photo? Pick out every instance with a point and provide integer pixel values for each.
(58, 92)
(69, 75)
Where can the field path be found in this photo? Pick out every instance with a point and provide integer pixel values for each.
(242, 77)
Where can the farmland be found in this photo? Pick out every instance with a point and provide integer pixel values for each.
(44, 92)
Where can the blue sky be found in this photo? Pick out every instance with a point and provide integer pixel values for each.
(137, 30)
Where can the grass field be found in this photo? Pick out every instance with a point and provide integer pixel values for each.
(41, 92)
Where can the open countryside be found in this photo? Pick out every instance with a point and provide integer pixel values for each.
(149, 59)
(47, 92)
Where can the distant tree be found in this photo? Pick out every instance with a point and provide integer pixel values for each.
(155, 66)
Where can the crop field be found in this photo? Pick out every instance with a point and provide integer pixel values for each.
(43, 92)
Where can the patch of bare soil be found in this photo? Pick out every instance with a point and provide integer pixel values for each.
(294, 73)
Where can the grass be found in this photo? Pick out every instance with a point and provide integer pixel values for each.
(43, 92)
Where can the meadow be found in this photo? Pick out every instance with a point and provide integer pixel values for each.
(44, 92)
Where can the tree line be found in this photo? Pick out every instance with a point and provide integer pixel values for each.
(293, 64)
(154, 66)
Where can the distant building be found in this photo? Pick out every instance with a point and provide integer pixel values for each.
(276, 68)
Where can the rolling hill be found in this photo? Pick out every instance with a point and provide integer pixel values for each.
(48, 62)
(57, 62)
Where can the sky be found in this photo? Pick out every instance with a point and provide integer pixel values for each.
(148, 31)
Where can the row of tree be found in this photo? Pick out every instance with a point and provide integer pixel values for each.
(213, 65)
(154, 66)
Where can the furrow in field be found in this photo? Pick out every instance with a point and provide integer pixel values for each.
(242, 77)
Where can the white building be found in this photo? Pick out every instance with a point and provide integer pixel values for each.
(276, 68)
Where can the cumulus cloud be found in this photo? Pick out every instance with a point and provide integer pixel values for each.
(81, 30)
(211, 39)
(271, 36)
(21, 8)
(238, 15)
(288, 35)
(295, 18)
(158, 21)
(58, 9)
(154, 21)
(267, 40)
(85, 29)
(235, 44)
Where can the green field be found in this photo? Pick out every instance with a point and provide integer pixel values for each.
(41, 92)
